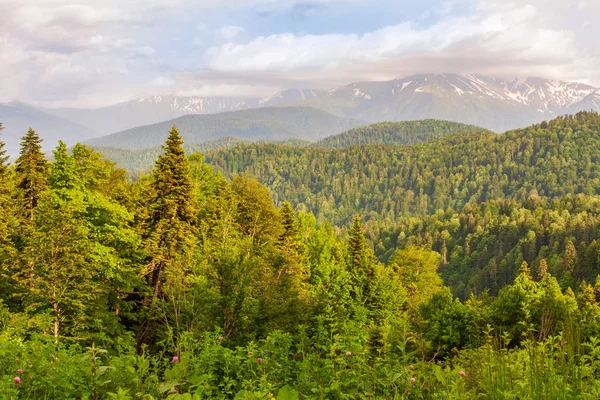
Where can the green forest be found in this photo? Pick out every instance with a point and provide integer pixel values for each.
(401, 263)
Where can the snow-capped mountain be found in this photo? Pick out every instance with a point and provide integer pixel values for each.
(197, 105)
(153, 109)
(494, 103)
(290, 96)
(547, 96)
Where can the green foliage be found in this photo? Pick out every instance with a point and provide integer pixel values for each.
(385, 182)
(188, 285)
(32, 172)
(407, 132)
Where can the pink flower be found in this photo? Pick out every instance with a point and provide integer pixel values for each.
(413, 379)
(259, 360)
(249, 353)
(20, 371)
(220, 337)
(17, 380)
(412, 367)
(462, 373)
(16, 358)
(348, 353)
(175, 359)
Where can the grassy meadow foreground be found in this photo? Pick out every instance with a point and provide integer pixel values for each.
(461, 266)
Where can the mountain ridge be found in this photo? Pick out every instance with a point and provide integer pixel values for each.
(268, 123)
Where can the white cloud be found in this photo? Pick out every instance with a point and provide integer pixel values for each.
(93, 52)
(229, 32)
(495, 37)
(162, 81)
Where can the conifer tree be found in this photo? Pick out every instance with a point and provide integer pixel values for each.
(357, 245)
(172, 214)
(291, 242)
(361, 260)
(32, 172)
(3, 156)
(7, 220)
(543, 269)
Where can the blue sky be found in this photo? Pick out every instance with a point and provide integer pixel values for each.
(98, 52)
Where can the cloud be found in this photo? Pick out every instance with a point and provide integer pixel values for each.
(75, 52)
(229, 32)
(495, 37)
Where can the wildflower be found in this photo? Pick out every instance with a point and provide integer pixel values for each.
(413, 379)
(412, 367)
(259, 360)
(175, 359)
(17, 359)
(462, 373)
(220, 338)
(348, 353)
(249, 353)
(20, 371)
(17, 380)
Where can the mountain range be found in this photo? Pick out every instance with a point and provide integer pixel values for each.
(492, 103)
(17, 118)
(261, 124)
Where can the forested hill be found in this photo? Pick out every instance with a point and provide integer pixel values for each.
(139, 162)
(407, 132)
(384, 182)
(275, 123)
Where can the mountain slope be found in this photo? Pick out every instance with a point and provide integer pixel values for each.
(410, 132)
(17, 118)
(492, 103)
(383, 182)
(272, 123)
(154, 109)
(150, 110)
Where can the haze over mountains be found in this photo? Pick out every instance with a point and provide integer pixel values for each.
(493, 103)
(262, 124)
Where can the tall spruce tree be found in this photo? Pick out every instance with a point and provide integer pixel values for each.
(7, 219)
(3, 156)
(172, 213)
(361, 260)
(32, 172)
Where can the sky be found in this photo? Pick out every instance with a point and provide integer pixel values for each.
(78, 53)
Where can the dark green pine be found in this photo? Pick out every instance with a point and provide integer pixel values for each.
(172, 211)
(290, 235)
(3, 155)
(172, 183)
(357, 246)
(32, 170)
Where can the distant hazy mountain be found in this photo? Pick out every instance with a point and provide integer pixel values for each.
(291, 96)
(150, 110)
(492, 103)
(17, 118)
(269, 123)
